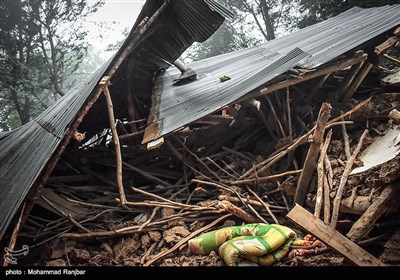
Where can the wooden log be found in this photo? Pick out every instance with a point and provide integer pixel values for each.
(388, 199)
(313, 152)
(104, 84)
(266, 206)
(332, 238)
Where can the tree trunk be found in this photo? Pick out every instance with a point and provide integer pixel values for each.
(267, 20)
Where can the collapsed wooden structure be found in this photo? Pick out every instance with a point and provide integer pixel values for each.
(246, 157)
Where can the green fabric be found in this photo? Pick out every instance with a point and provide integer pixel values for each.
(259, 243)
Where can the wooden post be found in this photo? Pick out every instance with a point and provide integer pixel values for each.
(332, 238)
(104, 85)
(313, 152)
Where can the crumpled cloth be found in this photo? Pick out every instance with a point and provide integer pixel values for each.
(258, 243)
(310, 245)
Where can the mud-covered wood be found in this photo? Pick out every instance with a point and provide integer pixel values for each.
(332, 238)
(386, 201)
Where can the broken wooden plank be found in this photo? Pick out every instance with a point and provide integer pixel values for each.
(388, 199)
(332, 238)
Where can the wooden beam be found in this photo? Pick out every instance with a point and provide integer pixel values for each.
(357, 82)
(332, 238)
(386, 45)
(388, 199)
(341, 64)
(320, 83)
(355, 69)
(111, 117)
(312, 156)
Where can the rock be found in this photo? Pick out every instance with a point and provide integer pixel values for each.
(126, 248)
(175, 234)
(145, 240)
(155, 235)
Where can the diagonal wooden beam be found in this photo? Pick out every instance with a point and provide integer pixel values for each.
(355, 69)
(332, 238)
(362, 74)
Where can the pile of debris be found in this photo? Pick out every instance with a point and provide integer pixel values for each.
(226, 171)
(313, 149)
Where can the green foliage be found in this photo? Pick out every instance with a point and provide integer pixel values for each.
(226, 39)
(266, 16)
(40, 46)
(254, 21)
(313, 11)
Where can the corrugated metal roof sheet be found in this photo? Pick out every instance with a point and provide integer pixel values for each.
(176, 106)
(25, 151)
